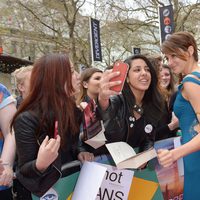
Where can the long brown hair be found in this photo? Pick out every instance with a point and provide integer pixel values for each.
(51, 94)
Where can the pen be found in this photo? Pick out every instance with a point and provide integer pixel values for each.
(56, 129)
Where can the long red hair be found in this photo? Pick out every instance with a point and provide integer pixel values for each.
(51, 94)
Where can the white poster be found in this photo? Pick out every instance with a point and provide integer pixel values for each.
(116, 184)
(89, 181)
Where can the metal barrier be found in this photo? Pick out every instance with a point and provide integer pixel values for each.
(74, 163)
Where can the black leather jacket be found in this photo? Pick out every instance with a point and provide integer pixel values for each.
(120, 127)
(25, 127)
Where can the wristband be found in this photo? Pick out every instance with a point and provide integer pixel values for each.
(6, 164)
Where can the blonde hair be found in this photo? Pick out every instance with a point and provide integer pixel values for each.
(20, 74)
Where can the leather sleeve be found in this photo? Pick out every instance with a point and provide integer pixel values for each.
(25, 127)
(27, 147)
(110, 112)
(114, 119)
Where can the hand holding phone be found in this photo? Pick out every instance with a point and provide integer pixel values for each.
(123, 69)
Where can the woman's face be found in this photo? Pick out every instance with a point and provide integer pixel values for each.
(92, 85)
(177, 65)
(139, 77)
(165, 77)
(25, 85)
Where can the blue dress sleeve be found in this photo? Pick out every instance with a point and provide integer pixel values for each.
(5, 96)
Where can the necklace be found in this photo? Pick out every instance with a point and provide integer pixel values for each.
(132, 118)
(138, 109)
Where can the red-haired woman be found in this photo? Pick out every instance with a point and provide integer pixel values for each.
(53, 84)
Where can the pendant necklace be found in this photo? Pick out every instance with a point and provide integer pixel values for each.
(132, 119)
(138, 109)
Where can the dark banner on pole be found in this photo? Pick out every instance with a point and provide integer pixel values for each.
(95, 40)
(166, 19)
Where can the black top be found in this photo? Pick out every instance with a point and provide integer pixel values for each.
(25, 127)
(163, 131)
(121, 126)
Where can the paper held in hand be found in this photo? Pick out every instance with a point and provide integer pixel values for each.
(124, 155)
(98, 140)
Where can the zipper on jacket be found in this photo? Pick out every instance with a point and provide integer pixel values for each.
(128, 133)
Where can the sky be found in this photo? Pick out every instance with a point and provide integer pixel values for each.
(88, 7)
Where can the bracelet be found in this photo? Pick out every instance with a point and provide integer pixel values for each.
(6, 164)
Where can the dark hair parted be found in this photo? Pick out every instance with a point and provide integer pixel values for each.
(85, 77)
(51, 95)
(178, 44)
(152, 102)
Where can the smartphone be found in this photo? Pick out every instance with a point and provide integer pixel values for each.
(56, 129)
(123, 69)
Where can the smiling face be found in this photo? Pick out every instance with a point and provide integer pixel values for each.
(139, 77)
(177, 64)
(181, 52)
(165, 77)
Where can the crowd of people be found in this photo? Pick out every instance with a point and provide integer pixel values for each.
(41, 128)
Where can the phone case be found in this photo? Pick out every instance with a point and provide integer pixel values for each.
(123, 69)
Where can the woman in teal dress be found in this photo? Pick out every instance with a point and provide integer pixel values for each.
(180, 50)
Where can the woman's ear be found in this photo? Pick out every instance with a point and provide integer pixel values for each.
(21, 87)
(191, 50)
(85, 84)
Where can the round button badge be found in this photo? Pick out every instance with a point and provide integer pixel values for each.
(148, 128)
(168, 29)
(166, 12)
(167, 36)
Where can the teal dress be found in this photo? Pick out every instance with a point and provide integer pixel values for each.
(187, 120)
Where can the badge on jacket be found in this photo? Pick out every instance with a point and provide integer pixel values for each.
(148, 128)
